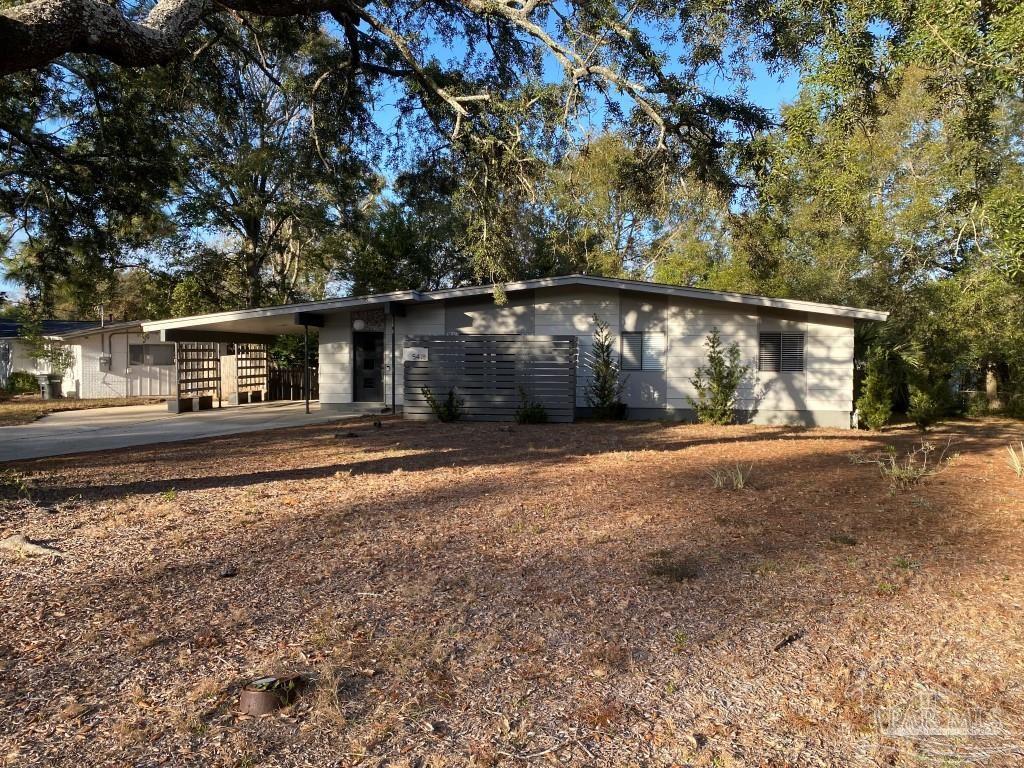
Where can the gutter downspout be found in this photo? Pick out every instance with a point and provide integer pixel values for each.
(110, 351)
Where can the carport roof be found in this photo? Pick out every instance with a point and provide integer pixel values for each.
(290, 318)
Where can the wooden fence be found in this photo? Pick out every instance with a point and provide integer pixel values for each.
(287, 384)
(488, 373)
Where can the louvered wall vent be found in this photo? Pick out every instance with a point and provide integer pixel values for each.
(781, 352)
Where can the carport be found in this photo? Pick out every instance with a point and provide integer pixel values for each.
(230, 348)
(199, 341)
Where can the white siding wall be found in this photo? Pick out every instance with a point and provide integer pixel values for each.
(826, 384)
(570, 311)
(336, 359)
(17, 358)
(687, 326)
(829, 363)
(87, 381)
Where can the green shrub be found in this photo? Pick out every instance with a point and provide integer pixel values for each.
(926, 407)
(1013, 401)
(448, 410)
(22, 383)
(604, 391)
(718, 381)
(976, 404)
(530, 412)
(875, 402)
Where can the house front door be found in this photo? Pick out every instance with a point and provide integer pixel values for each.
(368, 374)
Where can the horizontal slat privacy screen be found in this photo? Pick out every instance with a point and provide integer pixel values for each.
(487, 371)
(781, 352)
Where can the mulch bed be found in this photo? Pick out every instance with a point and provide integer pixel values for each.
(483, 594)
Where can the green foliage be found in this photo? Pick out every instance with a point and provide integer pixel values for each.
(22, 383)
(52, 353)
(530, 411)
(718, 382)
(875, 402)
(604, 390)
(927, 406)
(449, 409)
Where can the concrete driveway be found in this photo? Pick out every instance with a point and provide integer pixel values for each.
(102, 429)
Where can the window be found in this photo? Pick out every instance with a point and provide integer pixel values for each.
(783, 352)
(643, 352)
(150, 354)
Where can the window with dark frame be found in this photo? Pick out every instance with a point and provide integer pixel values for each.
(780, 352)
(151, 354)
(642, 352)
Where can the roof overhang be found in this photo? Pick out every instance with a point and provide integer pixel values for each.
(128, 326)
(263, 323)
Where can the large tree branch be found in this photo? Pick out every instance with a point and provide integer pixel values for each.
(40, 31)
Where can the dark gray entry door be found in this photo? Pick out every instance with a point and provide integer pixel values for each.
(368, 375)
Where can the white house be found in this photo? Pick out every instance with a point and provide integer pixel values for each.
(800, 352)
(118, 360)
(15, 355)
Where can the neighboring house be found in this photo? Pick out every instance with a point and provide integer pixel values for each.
(118, 360)
(801, 353)
(14, 350)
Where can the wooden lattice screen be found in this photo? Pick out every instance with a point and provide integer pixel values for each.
(198, 369)
(488, 373)
(252, 367)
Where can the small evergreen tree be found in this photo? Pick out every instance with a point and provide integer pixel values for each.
(875, 401)
(449, 409)
(718, 381)
(604, 391)
(927, 405)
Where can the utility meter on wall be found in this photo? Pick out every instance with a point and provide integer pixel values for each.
(105, 362)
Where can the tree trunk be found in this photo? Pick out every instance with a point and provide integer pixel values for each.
(992, 388)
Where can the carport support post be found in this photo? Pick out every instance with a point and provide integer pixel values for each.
(393, 395)
(305, 361)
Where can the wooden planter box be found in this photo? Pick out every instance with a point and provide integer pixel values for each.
(183, 405)
(238, 398)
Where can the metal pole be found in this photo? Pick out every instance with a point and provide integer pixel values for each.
(393, 393)
(305, 358)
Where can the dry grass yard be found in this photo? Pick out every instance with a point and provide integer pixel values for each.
(24, 409)
(480, 595)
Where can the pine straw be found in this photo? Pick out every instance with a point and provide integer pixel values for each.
(490, 595)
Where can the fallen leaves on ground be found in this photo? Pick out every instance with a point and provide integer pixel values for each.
(474, 594)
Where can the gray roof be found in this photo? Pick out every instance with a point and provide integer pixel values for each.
(122, 325)
(11, 329)
(281, 319)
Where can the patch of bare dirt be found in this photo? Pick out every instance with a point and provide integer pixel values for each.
(478, 594)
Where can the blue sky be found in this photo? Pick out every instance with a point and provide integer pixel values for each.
(766, 90)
